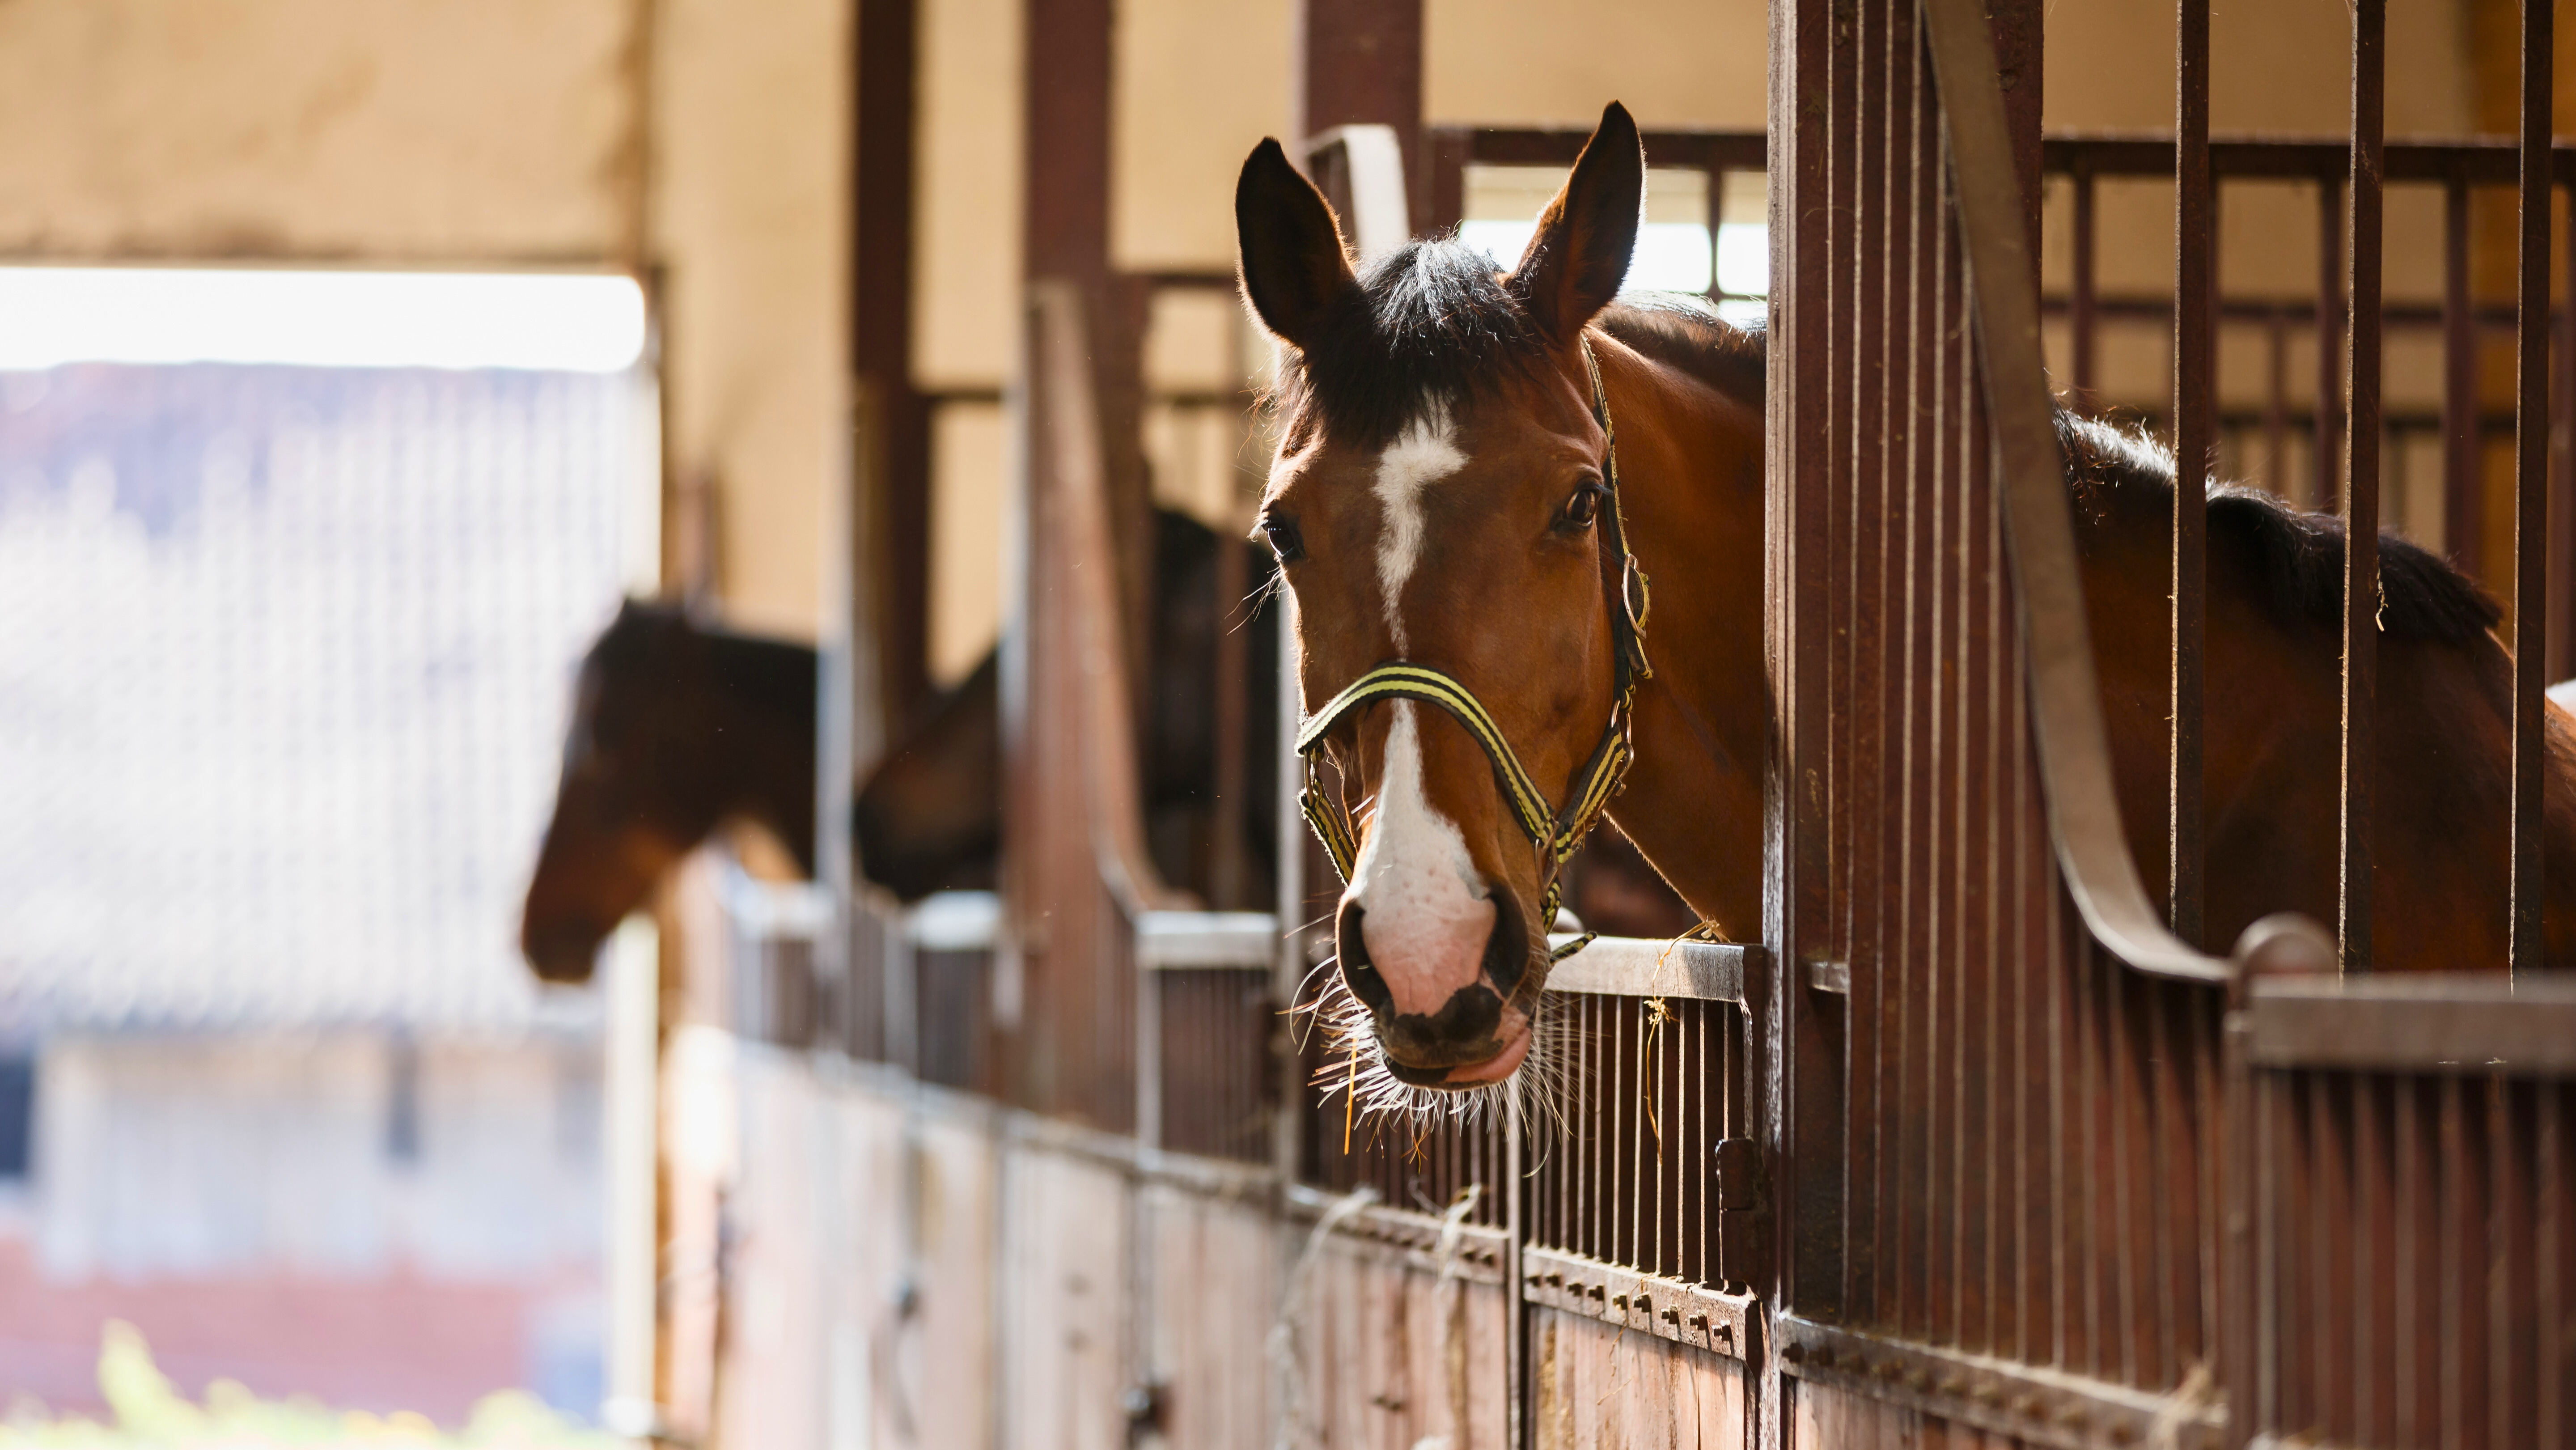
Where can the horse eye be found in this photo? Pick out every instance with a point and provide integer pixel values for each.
(1584, 506)
(1285, 544)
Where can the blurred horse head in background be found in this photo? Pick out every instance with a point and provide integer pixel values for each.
(676, 728)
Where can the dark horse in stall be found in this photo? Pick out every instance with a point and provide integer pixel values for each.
(1440, 499)
(678, 728)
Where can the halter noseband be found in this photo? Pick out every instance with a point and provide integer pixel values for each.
(1556, 833)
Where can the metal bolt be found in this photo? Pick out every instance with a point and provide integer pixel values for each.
(1618, 1301)
(1699, 1321)
(1794, 1352)
(1672, 1316)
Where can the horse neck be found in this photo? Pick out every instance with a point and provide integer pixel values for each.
(1691, 486)
(766, 692)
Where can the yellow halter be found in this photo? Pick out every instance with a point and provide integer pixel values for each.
(1556, 833)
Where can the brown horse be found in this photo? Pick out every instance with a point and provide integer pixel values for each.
(677, 728)
(1438, 497)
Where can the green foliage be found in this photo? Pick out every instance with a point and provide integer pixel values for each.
(149, 1411)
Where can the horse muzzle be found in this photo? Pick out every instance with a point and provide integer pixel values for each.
(1476, 1033)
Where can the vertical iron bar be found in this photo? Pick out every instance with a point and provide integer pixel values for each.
(2195, 370)
(2276, 406)
(2562, 477)
(2531, 490)
(2562, 472)
(2361, 492)
(2463, 490)
(2081, 309)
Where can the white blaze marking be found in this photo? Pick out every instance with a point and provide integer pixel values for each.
(1422, 455)
(1429, 912)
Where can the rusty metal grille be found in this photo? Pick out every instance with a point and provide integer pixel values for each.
(1419, 1166)
(1999, 1132)
(2419, 1258)
(1217, 1082)
(1623, 1148)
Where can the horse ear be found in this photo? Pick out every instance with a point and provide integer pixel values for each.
(1290, 249)
(1579, 255)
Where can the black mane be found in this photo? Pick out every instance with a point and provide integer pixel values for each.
(647, 635)
(1434, 324)
(2300, 554)
(1431, 324)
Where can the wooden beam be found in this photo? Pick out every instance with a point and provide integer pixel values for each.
(894, 427)
(1068, 83)
(1359, 62)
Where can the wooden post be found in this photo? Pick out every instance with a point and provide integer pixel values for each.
(892, 462)
(1359, 62)
(1066, 238)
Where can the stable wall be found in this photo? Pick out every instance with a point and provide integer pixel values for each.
(472, 131)
(750, 239)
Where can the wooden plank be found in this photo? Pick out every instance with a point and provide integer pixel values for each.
(1065, 1367)
(773, 1372)
(1389, 1349)
(1213, 1275)
(1601, 1384)
(957, 1258)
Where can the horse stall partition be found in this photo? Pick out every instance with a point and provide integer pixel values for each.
(2411, 1173)
(2017, 1166)
(1996, 1138)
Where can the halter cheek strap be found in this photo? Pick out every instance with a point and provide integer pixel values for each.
(1555, 832)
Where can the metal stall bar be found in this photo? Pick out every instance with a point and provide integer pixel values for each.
(2531, 492)
(2463, 491)
(2195, 376)
(2327, 432)
(2083, 304)
(2361, 488)
(2562, 468)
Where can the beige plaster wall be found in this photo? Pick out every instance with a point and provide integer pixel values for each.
(750, 226)
(1199, 85)
(966, 216)
(1530, 62)
(449, 130)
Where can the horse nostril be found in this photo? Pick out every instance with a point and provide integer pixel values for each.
(1360, 973)
(1507, 954)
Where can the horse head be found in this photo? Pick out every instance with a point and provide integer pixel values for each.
(638, 788)
(1443, 514)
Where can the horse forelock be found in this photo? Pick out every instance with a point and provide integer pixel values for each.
(1430, 328)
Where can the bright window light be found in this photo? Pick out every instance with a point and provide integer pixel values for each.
(50, 316)
(1670, 256)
